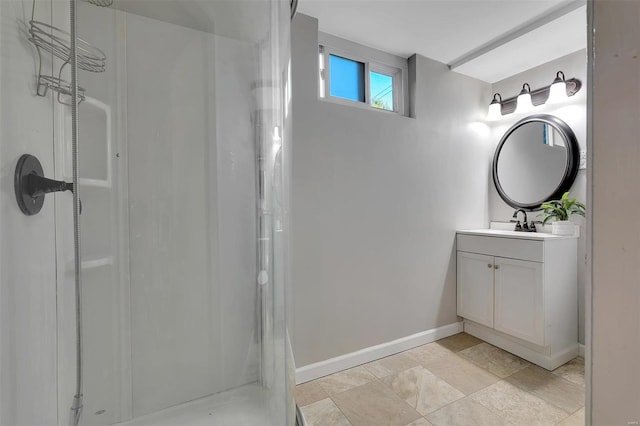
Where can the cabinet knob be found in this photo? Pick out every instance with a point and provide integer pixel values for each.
(496, 267)
(489, 265)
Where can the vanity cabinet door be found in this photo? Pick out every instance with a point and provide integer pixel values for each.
(475, 287)
(519, 299)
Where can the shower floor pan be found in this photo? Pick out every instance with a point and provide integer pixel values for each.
(246, 405)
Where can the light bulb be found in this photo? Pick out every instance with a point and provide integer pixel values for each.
(495, 108)
(523, 103)
(558, 90)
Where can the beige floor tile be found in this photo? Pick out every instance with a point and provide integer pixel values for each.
(422, 390)
(374, 404)
(550, 387)
(461, 374)
(310, 392)
(517, 406)
(432, 380)
(576, 419)
(345, 380)
(572, 371)
(324, 413)
(466, 412)
(495, 360)
(459, 342)
(391, 364)
(427, 353)
(420, 422)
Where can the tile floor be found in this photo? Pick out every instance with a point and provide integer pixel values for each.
(459, 380)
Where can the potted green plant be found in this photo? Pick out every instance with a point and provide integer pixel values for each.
(560, 211)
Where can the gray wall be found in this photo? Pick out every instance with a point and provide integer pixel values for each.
(615, 199)
(574, 113)
(377, 199)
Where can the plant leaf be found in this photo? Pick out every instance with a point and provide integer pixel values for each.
(562, 209)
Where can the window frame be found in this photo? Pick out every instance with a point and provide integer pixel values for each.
(373, 60)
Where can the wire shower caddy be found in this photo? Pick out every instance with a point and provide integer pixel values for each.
(101, 3)
(53, 40)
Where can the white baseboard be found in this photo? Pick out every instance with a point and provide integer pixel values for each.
(581, 349)
(372, 353)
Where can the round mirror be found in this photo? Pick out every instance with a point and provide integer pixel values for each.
(536, 160)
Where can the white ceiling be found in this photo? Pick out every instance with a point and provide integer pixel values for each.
(449, 30)
(239, 19)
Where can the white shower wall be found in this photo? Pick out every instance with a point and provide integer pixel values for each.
(174, 282)
(192, 213)
(27, 294)
(172, 317)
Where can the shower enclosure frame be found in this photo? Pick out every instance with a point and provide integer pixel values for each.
(265, 218)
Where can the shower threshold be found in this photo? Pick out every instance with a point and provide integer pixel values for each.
(244, 406)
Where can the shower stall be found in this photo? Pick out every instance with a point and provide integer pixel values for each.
(144, 210)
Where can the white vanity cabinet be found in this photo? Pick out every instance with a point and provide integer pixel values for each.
(518, 291)
(475, 287)
(519, 305)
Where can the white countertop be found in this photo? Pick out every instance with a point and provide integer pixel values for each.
(513, 234)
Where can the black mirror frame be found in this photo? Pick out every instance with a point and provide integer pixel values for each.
(570, 171)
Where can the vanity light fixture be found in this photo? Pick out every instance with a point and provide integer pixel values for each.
(523, 103)
(495, 108)
(560, 90)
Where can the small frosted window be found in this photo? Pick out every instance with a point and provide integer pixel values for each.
(346, 79)
(381, 91)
